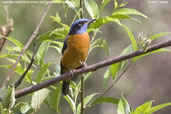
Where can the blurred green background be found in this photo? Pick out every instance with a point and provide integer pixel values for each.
(147, 79)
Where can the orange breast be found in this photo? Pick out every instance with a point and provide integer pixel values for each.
(76, 52)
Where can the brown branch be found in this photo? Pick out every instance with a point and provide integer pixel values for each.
(93, 67)
(18, 82)
(33, 36)
(6, 29)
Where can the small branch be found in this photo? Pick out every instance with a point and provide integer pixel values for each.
(82, 77)
(82, 94)
(116, 80)
(6, 29)
(81, 8)
(33, 36)
(18, 82)
(89, 68)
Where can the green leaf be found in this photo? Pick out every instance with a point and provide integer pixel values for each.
(38, 98)
(100, 42)
(25, 108)
(78, 109)
(122, 4)
(59, 50)
(19, 68)
(155, 36)
(123, 106)
(115, 68)
(30, 111)
(103, 4)
(89, 98)
(116, 4)
(53, 98)
(59, 33)
(42, 52)
(72, 6)
(105, 100)
(2, 91)
(121, 16)
(8, 99)
(128, 11)
(158, 107)
(156, 51)
(65, 9)
(71, 103)
(57, 18)
(144, 108)
(6, 66)
(9, 56)
(16, 42)
(59, 44)
(42, 72)
(132, 38)
(1, 109)
(28, 76)
(21, 108)
(48, 78)
(92, 8)
(106, 76)
(99, 22)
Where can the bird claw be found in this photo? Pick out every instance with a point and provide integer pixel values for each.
(72, 72)
(83, 64)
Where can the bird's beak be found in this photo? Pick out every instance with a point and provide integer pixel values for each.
(91, 21)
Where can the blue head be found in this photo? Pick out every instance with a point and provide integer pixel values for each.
(80, 26)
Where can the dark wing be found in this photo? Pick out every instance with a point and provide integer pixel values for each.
(63, 49)
(64, 45)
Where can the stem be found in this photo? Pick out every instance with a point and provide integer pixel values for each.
(111, 86)
(81, 9)
(82, 77)
(82, 94)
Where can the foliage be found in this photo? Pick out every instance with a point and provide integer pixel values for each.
(52, 95)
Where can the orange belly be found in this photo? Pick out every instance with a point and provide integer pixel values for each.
(76, 52)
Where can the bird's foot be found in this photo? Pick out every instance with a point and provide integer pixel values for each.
(83, 64)
(72, 72)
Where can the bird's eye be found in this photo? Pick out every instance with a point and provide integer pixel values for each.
(79, 24)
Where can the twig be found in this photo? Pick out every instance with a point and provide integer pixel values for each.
(81, 8)
(111, 86)
(6, 29)
(33, 36)
(82, 94)
(82, 77)
(89, 68)
(18, 82)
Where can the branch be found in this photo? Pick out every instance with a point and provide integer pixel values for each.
(82, 77)
(18, 82)
(93, 67)
(33, 36)
(6, 29)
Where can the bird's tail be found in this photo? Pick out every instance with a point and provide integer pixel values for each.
(65, 87)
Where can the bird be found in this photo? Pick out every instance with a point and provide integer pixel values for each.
(75, 50)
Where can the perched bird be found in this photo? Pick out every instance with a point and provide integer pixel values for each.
(75, 49)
